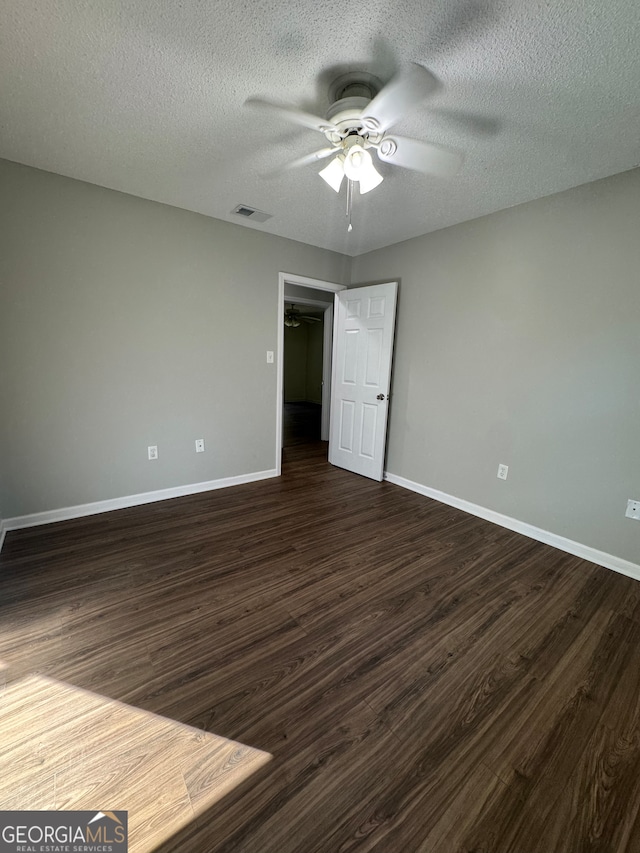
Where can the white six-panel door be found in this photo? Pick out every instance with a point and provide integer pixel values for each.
(362, 350)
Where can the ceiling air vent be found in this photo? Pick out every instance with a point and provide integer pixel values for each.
(251, 213)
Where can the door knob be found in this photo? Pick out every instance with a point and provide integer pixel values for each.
(380, 397)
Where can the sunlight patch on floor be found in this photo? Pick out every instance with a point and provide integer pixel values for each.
(62, 747)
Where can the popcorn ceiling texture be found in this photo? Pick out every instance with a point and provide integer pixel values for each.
(147, 97)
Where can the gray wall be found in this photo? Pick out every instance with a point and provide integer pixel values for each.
(3, 493)
(295, 364)
(518, 341)
(303, 347)
(125, 323)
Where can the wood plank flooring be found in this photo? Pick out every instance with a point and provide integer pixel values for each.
(66, 749)
(301, 423)
(424, 680)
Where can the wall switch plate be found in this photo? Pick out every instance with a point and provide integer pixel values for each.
(633, 510)
(199, 445)
(503, 470)
(152, 451)
(269, 356)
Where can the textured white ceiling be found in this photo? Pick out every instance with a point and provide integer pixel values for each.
(147, 97)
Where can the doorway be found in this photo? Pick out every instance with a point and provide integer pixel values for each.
(303, 372)
(304, 386)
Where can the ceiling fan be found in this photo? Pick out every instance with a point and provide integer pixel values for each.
(361, 113)
(292, 317)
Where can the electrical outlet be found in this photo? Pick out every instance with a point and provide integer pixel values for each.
(199, 445)
(633, 510)
(269, 356)
(503, 470)
(152, 451)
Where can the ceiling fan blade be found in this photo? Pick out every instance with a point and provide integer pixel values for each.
(292, 113)
(458, 26)
(420, 156)
(402, 94)
(309, 319)
(469, 122)
(310, 158)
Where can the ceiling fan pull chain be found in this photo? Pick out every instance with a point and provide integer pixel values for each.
(349, 203)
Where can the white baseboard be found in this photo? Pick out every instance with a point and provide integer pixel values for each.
(81, 510)
(601, 558)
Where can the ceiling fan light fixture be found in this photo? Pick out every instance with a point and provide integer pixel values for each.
(333, 174)
(370, 178)
(358, 166)
(355, 162)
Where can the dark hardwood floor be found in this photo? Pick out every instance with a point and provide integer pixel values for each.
(301, 423)
(424, 680)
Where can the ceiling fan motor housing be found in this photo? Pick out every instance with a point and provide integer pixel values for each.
(355, 84)
(350, 95)
(346, 116)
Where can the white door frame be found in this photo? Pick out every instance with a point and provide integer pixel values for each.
(304, 281)
(327, 362)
